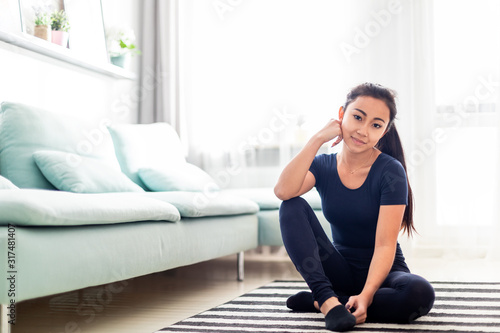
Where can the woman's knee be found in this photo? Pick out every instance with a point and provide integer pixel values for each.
(420, 294)
(414, 297)
(293, 202)
(292, 207)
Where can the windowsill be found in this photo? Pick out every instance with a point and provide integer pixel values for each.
(40, 46)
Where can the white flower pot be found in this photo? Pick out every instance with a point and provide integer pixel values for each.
(122, 61)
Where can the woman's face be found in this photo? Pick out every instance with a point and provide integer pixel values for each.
(364, 123)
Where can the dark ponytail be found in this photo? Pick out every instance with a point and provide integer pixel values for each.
(390, 143)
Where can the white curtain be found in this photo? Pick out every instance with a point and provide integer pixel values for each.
(456, 145)
(258, 77)
(420, 121)
(159, 67)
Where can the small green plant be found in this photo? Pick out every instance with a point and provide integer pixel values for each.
(60, 21)
(120, 41)
(130, 47)
(42, 19)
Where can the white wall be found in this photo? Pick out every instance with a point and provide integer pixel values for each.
(28, 77)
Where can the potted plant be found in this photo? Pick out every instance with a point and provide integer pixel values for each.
(42, 26)
(60, 28)
(120, 43)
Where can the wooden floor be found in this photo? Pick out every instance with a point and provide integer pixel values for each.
(149, 303)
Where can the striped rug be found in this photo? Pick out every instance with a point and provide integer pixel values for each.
(459, 307)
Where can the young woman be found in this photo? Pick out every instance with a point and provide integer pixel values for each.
(367, 199)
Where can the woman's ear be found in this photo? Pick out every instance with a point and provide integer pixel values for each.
(341, 113)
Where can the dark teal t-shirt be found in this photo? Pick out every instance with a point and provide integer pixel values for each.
(353, 214)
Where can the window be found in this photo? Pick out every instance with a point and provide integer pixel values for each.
(467, 59)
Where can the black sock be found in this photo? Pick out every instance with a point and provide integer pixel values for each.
(302, 301)
(339, 319)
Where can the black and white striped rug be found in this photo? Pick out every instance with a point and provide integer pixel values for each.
(459, 307)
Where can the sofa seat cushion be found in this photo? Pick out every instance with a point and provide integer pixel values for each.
(178, 177)
(30, 207)
(26, 129)
(198, 204)
(269, 227)
(75, 173)
(267, 200)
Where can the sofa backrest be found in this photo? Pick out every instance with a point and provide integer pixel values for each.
(146, 146)
(25, 130)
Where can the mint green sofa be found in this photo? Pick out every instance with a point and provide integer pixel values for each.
(268, 215)
(77, 209)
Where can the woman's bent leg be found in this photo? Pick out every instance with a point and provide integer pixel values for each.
(311, 251)
(402, 298)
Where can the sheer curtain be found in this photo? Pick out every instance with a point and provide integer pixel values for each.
(456, 145)
(159, 101)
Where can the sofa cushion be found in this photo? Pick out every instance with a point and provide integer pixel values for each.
(30, 207)
(146, 146)
(269, 228)
(75, 173)
(263, 196)
(6, 184)
(267, 200)
(197, 204)
(178, 177)
(25, 129)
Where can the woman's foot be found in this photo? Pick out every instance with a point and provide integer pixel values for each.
(303, 302)
(329, 304)
(337, 317)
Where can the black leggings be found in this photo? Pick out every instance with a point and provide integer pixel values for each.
(336, 271)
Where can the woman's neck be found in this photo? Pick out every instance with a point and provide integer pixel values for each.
(356, 161)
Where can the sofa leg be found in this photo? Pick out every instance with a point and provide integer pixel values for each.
(4, 319)
(241, 265)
